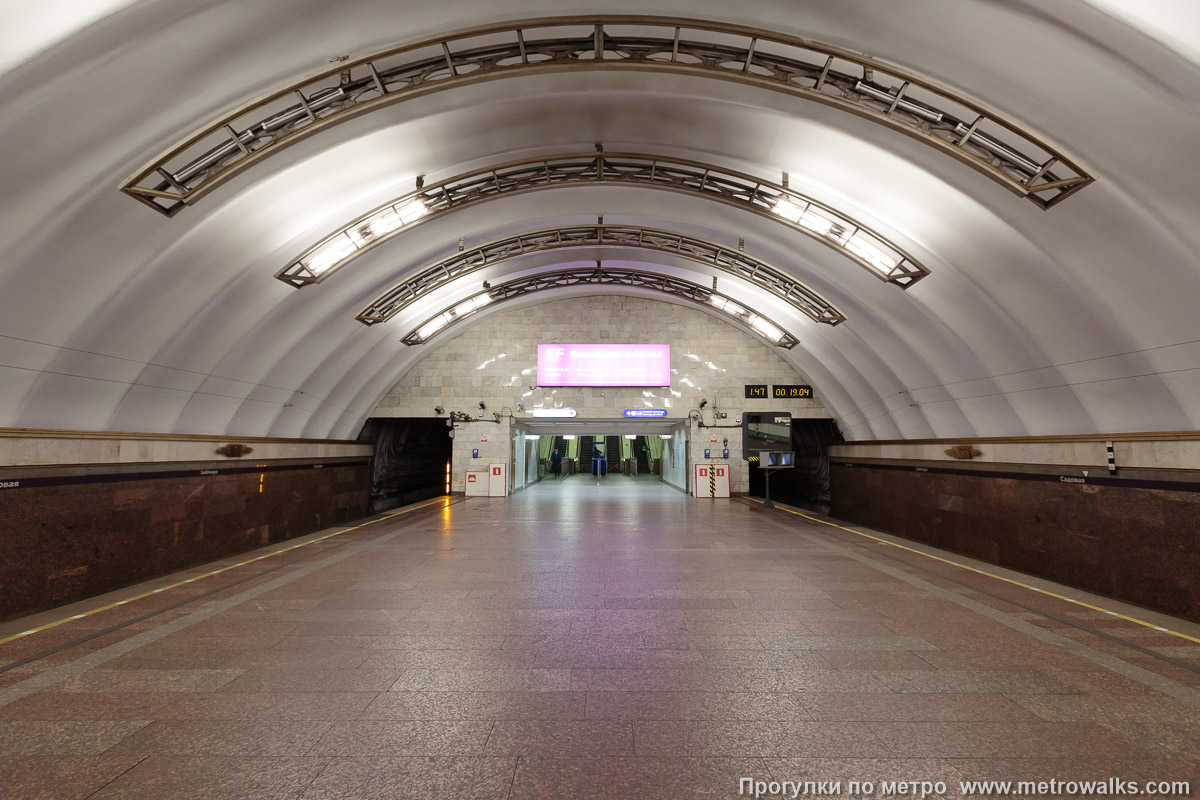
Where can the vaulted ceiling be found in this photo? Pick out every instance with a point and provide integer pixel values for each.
(1076, 318)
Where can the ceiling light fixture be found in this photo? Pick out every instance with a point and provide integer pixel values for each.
(788, 210)
(710, 181)
(433, 326)
(765, 328)
(412, 287)
(619, 277)
(347, 243)
(329, 254)
(871, 252)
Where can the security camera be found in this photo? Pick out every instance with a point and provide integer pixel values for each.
(482, 406)
(703, 403)
(439, 410)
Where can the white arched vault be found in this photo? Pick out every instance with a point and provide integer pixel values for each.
(1076, 319)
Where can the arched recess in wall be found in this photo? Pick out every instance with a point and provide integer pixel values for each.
(710, 359)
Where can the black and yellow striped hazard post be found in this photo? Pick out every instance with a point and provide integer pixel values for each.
(712, 482)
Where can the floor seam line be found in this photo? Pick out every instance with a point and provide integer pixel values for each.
(328, 761)
(512, 782)
(116, 778)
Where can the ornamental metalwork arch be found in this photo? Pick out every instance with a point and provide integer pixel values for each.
(986, 140)
(603, 276)
(882, 257)
(772, 279)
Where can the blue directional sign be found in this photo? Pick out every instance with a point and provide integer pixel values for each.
(724, 454)
(706, 455)
(474, 454)
(645, 412)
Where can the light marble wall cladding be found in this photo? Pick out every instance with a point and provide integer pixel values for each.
(675, 464)
(468, 438)
(32, 449)
(701, 440)
(496, 362)
(1143, 454)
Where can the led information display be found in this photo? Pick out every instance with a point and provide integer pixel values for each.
(755, 390)
(783, 392)
(604, 365)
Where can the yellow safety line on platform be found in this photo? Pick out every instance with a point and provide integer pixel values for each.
(152, 592)
(1000, 578)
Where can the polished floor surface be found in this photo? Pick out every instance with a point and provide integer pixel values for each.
(577, 640)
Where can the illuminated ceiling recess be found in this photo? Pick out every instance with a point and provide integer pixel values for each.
(603, 276)
(963, 128)
(881, 257)
(750, 269)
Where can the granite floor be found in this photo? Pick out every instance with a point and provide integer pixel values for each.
(588, 641)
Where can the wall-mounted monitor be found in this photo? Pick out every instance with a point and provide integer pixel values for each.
(766, 430)
(604, 365)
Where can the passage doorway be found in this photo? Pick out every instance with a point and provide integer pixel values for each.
(622, 454)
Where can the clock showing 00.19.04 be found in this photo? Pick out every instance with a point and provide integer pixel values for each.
(758, 391)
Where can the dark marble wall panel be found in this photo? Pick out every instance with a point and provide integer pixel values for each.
(67, 543)
(1135, 544)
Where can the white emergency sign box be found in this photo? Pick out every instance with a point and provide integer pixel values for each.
(710, 480)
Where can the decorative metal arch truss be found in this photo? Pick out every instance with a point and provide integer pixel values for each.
(735, 262)
(603, 276)
(880, 256)
(969, 131)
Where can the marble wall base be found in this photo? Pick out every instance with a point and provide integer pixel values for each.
(1141, 545)
(64, 543)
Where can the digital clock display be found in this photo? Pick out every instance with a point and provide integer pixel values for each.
(792, 392)
(756, 390)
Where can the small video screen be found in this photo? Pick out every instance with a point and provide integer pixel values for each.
(766, 431)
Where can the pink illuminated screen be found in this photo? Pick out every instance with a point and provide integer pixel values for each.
(604, 365)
